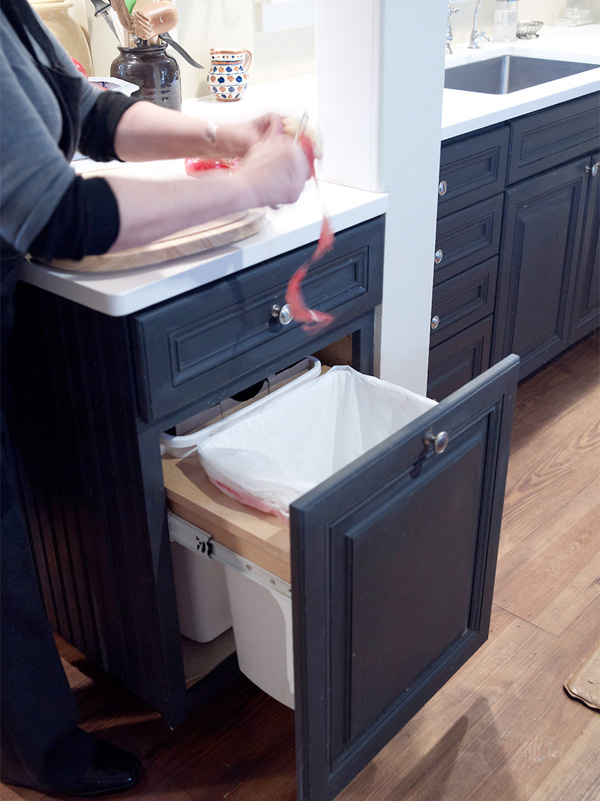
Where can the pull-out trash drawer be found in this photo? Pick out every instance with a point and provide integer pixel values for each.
(391, 562)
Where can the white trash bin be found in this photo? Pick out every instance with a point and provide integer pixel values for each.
(200, 586)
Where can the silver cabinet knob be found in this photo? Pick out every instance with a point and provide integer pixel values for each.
(439, 442)
(435, 321)
(594, 169)
(442, 188)
(283, 313)
(438, 256)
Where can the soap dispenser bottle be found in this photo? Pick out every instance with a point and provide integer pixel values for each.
(505, 20)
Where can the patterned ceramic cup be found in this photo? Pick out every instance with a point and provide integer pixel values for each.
(228, 75)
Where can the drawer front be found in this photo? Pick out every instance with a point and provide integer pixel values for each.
(463, 300)
(472, 169)
(458, 360)
(553, 136)
(224, 334)
(468, 237)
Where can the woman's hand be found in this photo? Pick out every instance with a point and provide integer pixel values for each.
(147, 132)
(275, 170)
(234, 141)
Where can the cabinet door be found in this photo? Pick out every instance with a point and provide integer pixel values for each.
(393, 563)
(586, 302)
(542, 233)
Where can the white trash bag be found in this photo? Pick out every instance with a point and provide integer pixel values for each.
(292, 443)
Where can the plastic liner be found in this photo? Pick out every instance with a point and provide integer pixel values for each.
(290, 443)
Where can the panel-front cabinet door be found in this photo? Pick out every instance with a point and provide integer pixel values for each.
(586, 301)
(542, 233)
(393, 564)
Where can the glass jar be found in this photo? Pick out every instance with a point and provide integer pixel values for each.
(55, 15)
(156, 73)
(505, 20)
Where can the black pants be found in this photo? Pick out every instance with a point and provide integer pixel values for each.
(41, 745)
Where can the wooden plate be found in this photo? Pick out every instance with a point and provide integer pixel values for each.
(207, 236)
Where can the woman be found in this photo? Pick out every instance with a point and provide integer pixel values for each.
(48, 110)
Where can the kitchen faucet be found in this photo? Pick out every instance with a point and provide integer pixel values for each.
(475, 34)
(449, 36)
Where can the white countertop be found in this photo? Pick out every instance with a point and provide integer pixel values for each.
(121, 293)
(468, 111)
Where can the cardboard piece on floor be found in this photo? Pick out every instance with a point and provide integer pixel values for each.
(584, 683)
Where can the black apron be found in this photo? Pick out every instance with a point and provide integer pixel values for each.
(67, 90)
(41, 745)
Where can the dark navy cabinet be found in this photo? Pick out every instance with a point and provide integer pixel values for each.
(391, 590)
(542, 238)
(542, 224)
(586, 299)
(469, 229)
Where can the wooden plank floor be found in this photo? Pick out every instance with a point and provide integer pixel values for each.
(502, 729)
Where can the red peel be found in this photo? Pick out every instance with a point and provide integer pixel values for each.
(194, 166)
(312, 319)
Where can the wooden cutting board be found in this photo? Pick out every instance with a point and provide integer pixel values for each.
(200, 238)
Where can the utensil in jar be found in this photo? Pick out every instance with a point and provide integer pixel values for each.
(168, 39)
(101, 10)
(123, 14)
(150, 21)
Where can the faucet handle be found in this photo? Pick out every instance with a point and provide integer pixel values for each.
(474, 45)
(449, 36)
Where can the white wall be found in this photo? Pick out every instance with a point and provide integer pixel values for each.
(214, 23)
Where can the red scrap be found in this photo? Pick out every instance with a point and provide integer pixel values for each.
(193, 166)
(312, 319)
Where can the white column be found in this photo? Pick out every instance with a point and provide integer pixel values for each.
(380, 69)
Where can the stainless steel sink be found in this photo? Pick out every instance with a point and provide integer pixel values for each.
(499, 76)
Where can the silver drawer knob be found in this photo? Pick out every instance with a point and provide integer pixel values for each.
(439, 442)
(283, 313)
(435, 321)
(438, 256)
(594, 169)
(443, 186)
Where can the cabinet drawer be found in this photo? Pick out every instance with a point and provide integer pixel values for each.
(207, 340)
(553, 136)
(468, 237)
(472, 169)
(463, 300)
(368, 599)
(458, 360)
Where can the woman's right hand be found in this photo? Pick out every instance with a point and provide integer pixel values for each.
(276, 170)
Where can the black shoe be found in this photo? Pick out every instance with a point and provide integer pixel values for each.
(111, 771)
